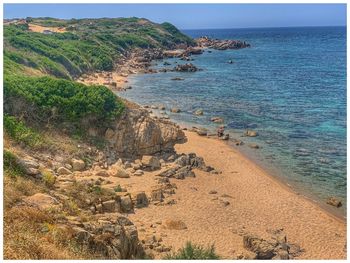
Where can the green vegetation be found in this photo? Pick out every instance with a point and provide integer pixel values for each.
(192, 251)
(48, 178)
(118, 189)
(19, 132)
(63, 100)
(11, 166)
(87, 45)
(40, 69)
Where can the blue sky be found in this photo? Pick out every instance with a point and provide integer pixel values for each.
(195, 16)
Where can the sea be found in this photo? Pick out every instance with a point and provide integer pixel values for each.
(289, 86)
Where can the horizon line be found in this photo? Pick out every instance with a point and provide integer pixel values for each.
(260, 27)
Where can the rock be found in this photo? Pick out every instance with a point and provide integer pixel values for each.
(109, 237)
(126, 204)
(183, 160)
(109, 206)
(157, 195)
(177, 78)
(184, 172)
(174, 224)
(225, 203)
(78, 165)
(202, 132)
(334, 201)
(121, 173)
(188, 67)
(217, 119)
(237, 142)
(140, 200)
(175, 110)
(262, 248)
(63, 171)
(138, 173)
(30, 166)
(254, 146)
(81, 235)
(137, 134)
(41, 201)
(198, 112)
(221, 44)
(151, 162)
(250, 133)
(161, 107)
(225, 137)
(102, 173)
(212, 192)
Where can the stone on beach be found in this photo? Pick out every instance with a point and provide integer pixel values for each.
(151, 162)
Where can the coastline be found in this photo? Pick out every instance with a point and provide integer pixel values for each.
(259, 209)
(130, 66)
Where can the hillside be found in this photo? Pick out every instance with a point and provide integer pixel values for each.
(53, 123)
(69, 48)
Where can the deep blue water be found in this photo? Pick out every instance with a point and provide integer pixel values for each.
(290, 86)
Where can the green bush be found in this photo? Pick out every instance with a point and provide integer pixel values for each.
(63, 99)
(11, 166)
(191, 251)
(118, 189)
(18, 131)
(90, 44)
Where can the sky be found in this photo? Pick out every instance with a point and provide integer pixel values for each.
(195, 16)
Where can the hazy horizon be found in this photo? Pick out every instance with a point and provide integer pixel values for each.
(195, 16)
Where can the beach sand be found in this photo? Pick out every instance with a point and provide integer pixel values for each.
(258, 204)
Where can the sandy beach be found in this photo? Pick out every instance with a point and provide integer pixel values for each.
(258, 205)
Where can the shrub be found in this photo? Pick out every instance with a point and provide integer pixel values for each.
(118, 188)
(18, 131)
(11, 166)
(48, 178)
(192, 251)
(64, 99)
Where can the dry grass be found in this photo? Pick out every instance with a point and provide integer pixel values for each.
(26, 237)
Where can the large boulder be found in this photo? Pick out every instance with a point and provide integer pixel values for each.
(151, 162)
(41, 201)
(135, 133)
(78, 165)
(110, 237)
(30, 166)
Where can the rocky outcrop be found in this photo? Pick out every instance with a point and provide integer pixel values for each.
(276, 247)
(111, 236)
(188, 67)
(135, 133)
(221, 44)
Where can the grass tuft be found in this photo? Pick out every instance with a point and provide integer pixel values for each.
(192, 251)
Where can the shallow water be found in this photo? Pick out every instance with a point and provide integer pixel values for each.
(290, 86)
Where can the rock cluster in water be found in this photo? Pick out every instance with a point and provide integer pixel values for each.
(221, 44)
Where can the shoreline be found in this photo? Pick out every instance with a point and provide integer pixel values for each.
(121, 78)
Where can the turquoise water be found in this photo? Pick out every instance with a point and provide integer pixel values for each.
(290, 86)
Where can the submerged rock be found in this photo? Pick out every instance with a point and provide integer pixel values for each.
(250, 133)
(334, 201)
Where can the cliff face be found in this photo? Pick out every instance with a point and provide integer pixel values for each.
(136, 134)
